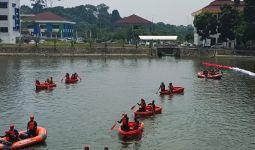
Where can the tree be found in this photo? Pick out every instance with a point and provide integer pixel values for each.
(189, 37)
(249, 17)
(237, 3)
(241, 33)
(228, 20)
(115, 16)
(38, 5)
(26, 10)
(206, 25)
(1, 40)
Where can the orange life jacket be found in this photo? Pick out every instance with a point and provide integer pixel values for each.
(12, 133)
(31, 125)
(7, 138)
(143, 105)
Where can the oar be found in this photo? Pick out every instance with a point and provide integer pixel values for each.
(157, 90)
(133, 107)
(113, 126)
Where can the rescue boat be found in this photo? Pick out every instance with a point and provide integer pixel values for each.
(133, 131)
(44, 86)
(176, 90)
(149, 111)
(216, 76)
(41, 137)
(71, 81)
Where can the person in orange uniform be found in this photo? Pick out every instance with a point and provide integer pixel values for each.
(171, 87)
(51, 80)
(37, 82)
(13, 134)
(142, 106)
(162, 87)
(124, 122)
(31, 127)
(76, 76)
(137, 123)
(152, 104)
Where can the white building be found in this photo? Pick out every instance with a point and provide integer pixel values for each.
(215, 8)
(9, 20)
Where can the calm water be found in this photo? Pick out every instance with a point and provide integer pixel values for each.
(210, 115)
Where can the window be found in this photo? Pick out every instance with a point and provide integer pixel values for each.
(13, 5)
(3, 4)
(55, 26)
(3, 17)
(42, 26)
(4, 29)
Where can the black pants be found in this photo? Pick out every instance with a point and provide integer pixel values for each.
(31, 133)
(125, 128)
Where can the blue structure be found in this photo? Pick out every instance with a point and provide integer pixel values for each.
(49, 25)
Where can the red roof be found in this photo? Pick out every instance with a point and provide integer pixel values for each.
(133, 20)
(215, 6)
(46, 16)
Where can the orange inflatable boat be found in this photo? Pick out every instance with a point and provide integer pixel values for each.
(70, 81)
(41, 137)
(44, 86)
(132, 131)
(149, 111)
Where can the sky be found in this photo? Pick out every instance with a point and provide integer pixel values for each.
(176, 12)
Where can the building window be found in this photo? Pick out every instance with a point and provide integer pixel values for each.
(3, 4)
(13, 5)
(4, 29)
(55, 26)
(42, 26)
(3, 17)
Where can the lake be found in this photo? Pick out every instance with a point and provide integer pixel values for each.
(211, 114)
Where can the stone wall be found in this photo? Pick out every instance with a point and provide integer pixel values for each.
(75, 51)
(203, 52)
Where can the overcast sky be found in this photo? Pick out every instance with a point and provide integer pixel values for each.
(177, 12)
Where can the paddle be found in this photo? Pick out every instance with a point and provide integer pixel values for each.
(133, 107)
(114, 125)
(157, 90)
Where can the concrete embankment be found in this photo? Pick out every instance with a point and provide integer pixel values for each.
(202, 52)
(42, 51)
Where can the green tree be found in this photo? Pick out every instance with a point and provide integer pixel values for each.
(115, 16)
(249, 18)
(26, 10)
(237, 3)
(189, 37)
(206, 25)
(38, 5)
(241, 33)
(228, 20)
